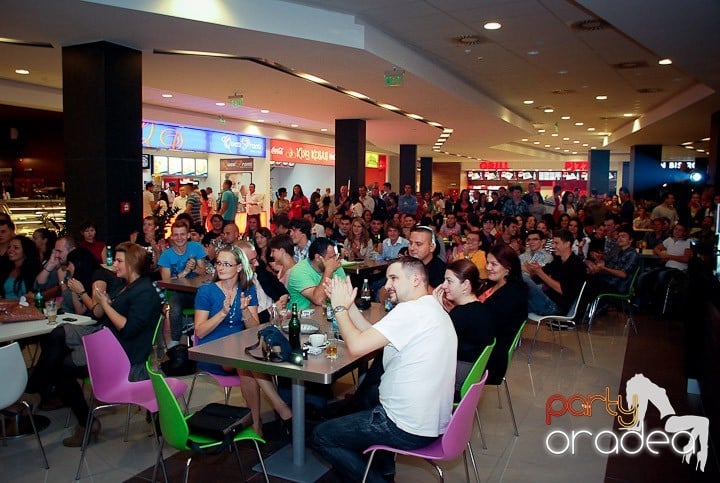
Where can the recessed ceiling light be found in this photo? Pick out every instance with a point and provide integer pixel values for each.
(166, 96)
(576, 142)
(574, 152)
(566, 150)
(260, 120)
(593, 147)
(585, 145)
(324, 129)
(492, 26)
(414, 116)
(533, 52)
(356, 95)
(548, 109)
(601, 97)
(689, 147)
(293, 125)
(536, 142)
(554, 134)
(524, 140)
(579, 123)
(22, 71)
(665, 61)
(389, 107)
(547, 145)
(686, 143)
(566, 139)
(557, 147)
(220, 104)
(628, 114)
(591, 129)
(562, 72)
(705, 139)
(700, 150)
(565, 118)
(264, 111)
(528, 101)
(541, 131)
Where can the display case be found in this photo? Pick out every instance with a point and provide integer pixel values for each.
(29, 215)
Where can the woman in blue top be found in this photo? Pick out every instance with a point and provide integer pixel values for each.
(18, 276)
(228, 306)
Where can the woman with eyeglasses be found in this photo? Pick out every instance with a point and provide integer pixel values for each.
(226, 307)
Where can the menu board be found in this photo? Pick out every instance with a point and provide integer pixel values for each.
(201, 167)
(549, 175)
(527, 175)
(188, 166)
(174, 166)
(160, 165)
(507, 175)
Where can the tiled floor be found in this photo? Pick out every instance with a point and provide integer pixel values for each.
(507, 458)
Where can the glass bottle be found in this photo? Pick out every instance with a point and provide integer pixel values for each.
(39, 301)
(365, 295)
(294, 329)
(109, 255)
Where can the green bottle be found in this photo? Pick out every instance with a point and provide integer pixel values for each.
(39, 301)
(294, 329)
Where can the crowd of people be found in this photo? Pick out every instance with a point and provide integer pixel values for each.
(464, 271)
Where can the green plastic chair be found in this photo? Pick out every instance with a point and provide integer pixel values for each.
(176, 433)
(511, 351)
(473, 377)
(624, 298)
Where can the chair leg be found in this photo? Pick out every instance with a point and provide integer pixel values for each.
(482, 434)
(438, 469)
(187, 469)
(532, 346)
(512, 412)
(262, 462)
(467, 473)
(37, 435)
(127, 425)
(237, 457)
(227, 393)
(577, 333)
(192, 388)
(158, 461)
(472, 460)
(631, 317)
(88, 426)
(369, 464)
(498, 394)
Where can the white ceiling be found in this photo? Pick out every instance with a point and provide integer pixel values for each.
(476, 90)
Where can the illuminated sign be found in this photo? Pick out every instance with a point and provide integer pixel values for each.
(292, 152)
(494, 165)
(371, 160)
(239, 164)
(166, 136)
(577, 166)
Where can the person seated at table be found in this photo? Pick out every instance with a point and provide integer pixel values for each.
(534, 253)
(342, 229)
(88, 230)
(306, 279)
(316, 229)
(18, 275)
(392, 245)
(358, 245)
(470, 250)
(183, 259)
(561, 279)
(223, 308)
(281, 252)
(451, 228)
(613, 275)
(261, 240)
(215, 232)
(44, 240)
(270, 291)
(377, 232)
(415, 395)
(130, 308)
(7, 231)
(78, 274)
(150, 239)
(423, 246)
(657, 235)
(301, 237)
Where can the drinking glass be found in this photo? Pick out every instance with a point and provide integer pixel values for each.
(51, 312)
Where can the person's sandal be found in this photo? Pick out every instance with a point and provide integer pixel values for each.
(76, 440)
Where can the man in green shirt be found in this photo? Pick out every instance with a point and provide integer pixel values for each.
(306, 279)
(228, 203)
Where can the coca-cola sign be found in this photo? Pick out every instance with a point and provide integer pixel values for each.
(292, 152)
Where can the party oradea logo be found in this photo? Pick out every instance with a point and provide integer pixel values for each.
(684, 436)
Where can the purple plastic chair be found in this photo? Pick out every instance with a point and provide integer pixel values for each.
(450, 445)
(109, 368)
(227, 382)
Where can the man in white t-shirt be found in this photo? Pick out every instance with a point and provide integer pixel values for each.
(416, 389)
(149, 205)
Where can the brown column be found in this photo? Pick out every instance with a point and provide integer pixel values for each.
(102, 104)
(408, 159)
(426, 174)
(349, 153)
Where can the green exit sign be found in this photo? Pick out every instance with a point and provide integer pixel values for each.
(394, 79)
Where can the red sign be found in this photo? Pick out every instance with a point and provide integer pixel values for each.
(124, 207)
(292, 152)
(494, 165)
(577, 166)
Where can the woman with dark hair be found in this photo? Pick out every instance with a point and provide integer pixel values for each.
(262, 241)
(503, 305)
(149, 240)
(88, 230)
(581, 242)
(282, 251)
(458, 296)
(81, 264)
(223, 308)
(162, 204)
(281, 205)
(463, 207)
(45, 242)
(537, 207)
(314, 203)
(18, 276)
(130, 308)
(568, 202)
(204, 206)
(215, 231)
(563, 221)
(298, 203)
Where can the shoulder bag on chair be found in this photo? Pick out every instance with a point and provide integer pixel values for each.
(220, 422)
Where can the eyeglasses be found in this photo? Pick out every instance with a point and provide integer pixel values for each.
(225, 264)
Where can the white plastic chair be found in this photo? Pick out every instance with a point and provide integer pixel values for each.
(13, 386)
(558, 319)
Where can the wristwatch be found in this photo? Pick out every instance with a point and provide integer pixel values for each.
(339, 309)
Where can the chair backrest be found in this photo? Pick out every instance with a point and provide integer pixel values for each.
(172, 422)
(460, 428)
(158, 327)
(478, 369)
(107, 363)
(574, 308)
(515, 343)
(15, 379)
(632, 281)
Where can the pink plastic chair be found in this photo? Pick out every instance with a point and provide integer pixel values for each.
(450, 445)
(227, 382)
(109, 368)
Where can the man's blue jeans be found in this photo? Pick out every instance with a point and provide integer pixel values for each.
(538, 302)
(341, 442)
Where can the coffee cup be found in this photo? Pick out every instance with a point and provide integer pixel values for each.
(316, 340)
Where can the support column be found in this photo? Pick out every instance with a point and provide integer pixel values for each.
(599, 170)
(646, 174)
(408, 158)
(349, 153)
(102, 105)
(426, 175)
(714, 160)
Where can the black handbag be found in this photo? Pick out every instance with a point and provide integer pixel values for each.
(178, 363)
(220, 422)
(275, 346)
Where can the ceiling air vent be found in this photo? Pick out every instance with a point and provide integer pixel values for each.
(562, 92)
(650, 90)
(637, 64)
(590, 25)
(466, 40)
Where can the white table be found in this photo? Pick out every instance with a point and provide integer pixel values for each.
(11, 331)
